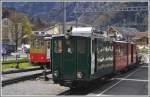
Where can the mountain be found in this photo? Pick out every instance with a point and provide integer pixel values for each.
(44, 10)
(12, 14)
(48, 13)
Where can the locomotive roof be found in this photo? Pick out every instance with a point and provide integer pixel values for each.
(124, 42)
(83, 32)
(82, 35)
(94, 36)
(80, 31)
(88, 32)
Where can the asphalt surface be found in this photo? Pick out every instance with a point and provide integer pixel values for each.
(134, 82)
(34, 87)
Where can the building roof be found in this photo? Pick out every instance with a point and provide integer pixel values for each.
(139, 35)
(127, 33)
(125, 30)
(51, 27)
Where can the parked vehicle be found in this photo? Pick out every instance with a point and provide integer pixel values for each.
(9, 48)
(40, 51)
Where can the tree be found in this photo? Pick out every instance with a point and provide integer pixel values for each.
(26, 29)
(22, 31)
(26, 26)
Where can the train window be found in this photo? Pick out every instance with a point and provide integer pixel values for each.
(124, 51)
(58, 46)
(81, 46)
(32, 43)
(69, 46)
(118, 50)
(43, 43)
(36, 43)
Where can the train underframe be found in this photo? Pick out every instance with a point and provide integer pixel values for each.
(78, 83)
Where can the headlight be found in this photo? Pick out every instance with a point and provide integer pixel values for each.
(79, 75)
(56, 73)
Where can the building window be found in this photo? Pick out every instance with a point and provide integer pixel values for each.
(5, 22)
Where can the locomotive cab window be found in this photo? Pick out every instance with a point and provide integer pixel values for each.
(118, 50)
(69, 46)
(58, 46)
(35, 43)
(38, 42)
(81, 46)
(41, 43)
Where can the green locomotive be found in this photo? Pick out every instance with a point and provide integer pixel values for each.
(81, 56)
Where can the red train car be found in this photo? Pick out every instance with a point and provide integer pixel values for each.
(38, 55)
(40, 51)
(124, 54)
(120, 55)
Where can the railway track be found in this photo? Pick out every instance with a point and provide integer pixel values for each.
(86, 90)
(12, 80)
(83, 91)
(97, 85)
(21, 70)
(75, 92)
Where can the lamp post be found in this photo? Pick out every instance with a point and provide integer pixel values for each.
(16, 35)
(64, 17)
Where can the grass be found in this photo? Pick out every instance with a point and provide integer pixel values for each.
(13, 65)
(14, 61)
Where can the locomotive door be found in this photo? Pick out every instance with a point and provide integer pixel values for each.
(56, 59)
(83, 53)
(69, 59)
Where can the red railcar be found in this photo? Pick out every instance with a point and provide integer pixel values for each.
(124, 54)
(38, 55)
(120, 55)
(40, 51)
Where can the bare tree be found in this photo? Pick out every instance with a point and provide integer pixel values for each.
(22, 30)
